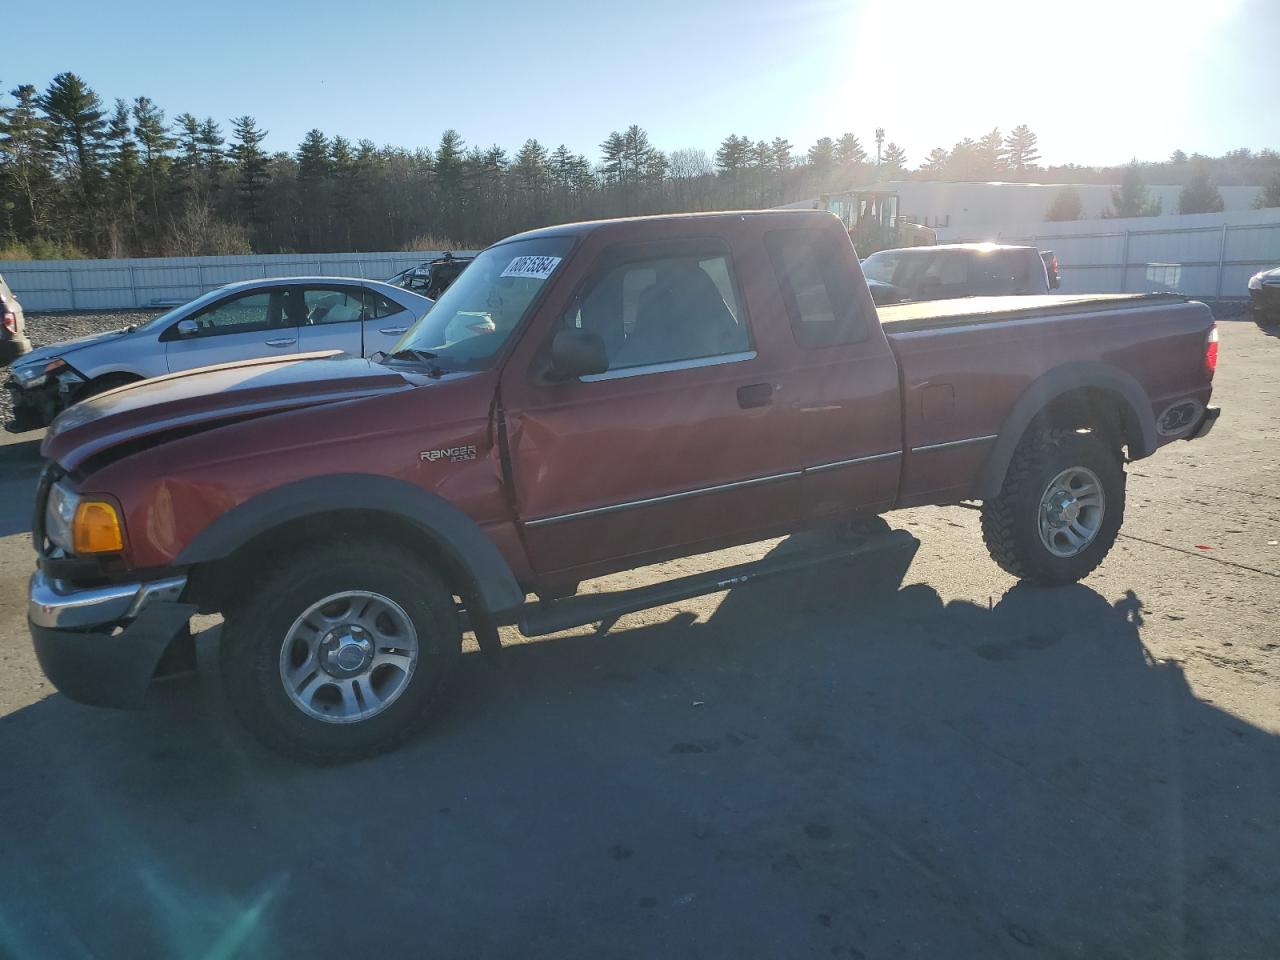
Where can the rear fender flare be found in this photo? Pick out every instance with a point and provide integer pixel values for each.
(452, 530)
(1135, 411)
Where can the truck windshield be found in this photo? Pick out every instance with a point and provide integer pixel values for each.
(473, 318)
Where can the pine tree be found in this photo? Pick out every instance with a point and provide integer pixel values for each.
(27, 168)
(1066, 205)
(449, 169)
(76, 124)
(611, 157)
(123, 168)
(1021, 152)
(1132, 198)
(313, 157)
(561, 165)
(895, 159)
(732, 160)
(936, 162)
(991, 153)
(822, 155)
(153, 138)
(780, 155)
(965, 161)
(251, 165)
(849, 151)
(212, 157)
(636, 154)
(1200, 195)
(187, 128)
(530, 168)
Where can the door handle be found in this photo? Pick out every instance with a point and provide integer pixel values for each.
(393, 331)
(282, 342)
(755, 395)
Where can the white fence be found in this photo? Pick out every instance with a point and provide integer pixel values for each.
(1201, 255)
(128, 284)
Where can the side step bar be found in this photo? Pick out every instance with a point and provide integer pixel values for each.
(540, 619)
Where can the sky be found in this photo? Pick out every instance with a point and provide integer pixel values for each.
(1100, 81)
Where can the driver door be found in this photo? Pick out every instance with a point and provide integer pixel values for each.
(244, 326)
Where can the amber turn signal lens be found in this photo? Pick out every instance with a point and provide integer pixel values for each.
(96, 528)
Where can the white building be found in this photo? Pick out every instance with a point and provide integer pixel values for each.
(982, 211)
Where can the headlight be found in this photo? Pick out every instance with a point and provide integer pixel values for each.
(35, 374)
(82, 525)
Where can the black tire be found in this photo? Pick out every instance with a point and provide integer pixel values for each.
(1011, 521)
(254, 631)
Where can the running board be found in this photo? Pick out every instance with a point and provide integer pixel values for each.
(540, 619)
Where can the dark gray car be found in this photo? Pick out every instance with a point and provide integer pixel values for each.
(951, 270)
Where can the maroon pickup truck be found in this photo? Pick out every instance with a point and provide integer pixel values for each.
(584, 399)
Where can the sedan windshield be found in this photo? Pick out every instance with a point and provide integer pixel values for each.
(475, 316)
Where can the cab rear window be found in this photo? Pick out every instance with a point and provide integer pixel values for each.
(816, 278)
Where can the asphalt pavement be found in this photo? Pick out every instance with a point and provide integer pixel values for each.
(911, 760)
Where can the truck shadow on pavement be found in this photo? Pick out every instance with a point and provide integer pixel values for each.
(832, 764)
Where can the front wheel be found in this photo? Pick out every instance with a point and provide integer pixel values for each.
(1060, 508)
(342, 652)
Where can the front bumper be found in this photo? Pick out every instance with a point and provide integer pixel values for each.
(101, 645)
(33, 407)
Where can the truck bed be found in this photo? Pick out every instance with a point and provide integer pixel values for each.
(928, 314)
(965, 363)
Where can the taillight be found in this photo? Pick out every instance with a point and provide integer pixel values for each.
(1053, 264)
(11, 321)
(1211, 352)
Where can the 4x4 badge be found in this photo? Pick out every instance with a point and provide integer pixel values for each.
(452, 454)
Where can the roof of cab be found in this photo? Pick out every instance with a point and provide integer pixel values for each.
(590, 226)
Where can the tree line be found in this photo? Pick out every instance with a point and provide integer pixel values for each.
(79, 178)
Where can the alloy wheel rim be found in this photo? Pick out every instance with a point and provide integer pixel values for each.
(1071, 512)
(348, 657)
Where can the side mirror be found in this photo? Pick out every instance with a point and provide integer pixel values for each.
(577, 353)
(188, 328)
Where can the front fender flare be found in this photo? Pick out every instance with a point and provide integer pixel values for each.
(451, 529)
(1135, 411)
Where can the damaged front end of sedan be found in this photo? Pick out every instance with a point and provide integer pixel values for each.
(39, 391)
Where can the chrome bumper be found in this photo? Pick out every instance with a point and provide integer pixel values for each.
(56, 604)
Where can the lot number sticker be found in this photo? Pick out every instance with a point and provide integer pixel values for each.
(535, 268)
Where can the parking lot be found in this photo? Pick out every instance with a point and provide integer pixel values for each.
(928, 761)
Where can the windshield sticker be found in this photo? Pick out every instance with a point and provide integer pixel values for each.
(535, 268)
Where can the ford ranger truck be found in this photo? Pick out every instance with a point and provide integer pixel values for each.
(584, 399)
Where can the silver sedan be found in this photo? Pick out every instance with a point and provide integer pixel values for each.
(241, 321)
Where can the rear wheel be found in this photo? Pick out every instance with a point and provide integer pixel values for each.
(1060, 508)
(342, 652)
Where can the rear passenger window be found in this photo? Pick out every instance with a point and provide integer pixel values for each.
(816, 277)
(377, 306)
(663, 310)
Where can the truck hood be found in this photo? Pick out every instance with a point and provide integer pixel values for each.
(182, 403)
(43, 355)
